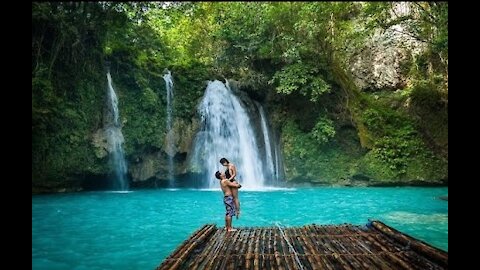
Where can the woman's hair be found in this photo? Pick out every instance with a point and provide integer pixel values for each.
(223, 160)
(217, 174)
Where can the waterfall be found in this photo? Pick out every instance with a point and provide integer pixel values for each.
(269, 163)
(115, 140)
(279, 172)
(169, 138)
(226, 131)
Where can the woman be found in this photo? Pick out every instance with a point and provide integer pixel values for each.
(230, 173)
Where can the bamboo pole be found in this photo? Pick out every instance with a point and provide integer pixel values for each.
(188, 241)
(277, 249)
(373, 262)
(323, 250)
(285, 251)
(309, 249)
(335, 248)
(316, 239)
(189, 247)
(357, 247)
(395, 259)
(324, 262)
(199, 262)
(249, 254)
(327, 250)
(271, 258)
(220, 251)
(431, 252)
(256, 250)
(348, 242)
(419, 262)
(214, 252)
(229, 251)
(314, 247)
(270, 242)
(243, 248)
(209, 248)
(177, 257)
(263, 249)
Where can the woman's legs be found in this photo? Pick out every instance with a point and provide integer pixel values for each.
(236, 201)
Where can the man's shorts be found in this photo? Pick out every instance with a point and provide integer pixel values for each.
(229, 206)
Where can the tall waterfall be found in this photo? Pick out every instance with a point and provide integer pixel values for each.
(226, 131)
(169, 139)
(273, 154)
(279, 172)
(115, 140)
(269, 162)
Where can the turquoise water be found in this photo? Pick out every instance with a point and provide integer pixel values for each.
(137, 230)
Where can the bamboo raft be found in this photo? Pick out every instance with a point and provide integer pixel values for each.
(374, 246)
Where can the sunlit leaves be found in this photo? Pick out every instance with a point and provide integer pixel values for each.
(303, 78)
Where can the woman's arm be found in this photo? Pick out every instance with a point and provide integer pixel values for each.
(233, 184)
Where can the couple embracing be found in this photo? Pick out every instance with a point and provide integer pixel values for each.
(230, 188)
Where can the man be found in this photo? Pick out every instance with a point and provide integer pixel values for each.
(227, 188)
(230, 174)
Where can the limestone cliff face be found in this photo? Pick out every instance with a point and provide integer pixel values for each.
(378, 66)
(155, 165)
(146, 166)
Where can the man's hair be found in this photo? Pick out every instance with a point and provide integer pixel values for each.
(217, 174)
(223, 160)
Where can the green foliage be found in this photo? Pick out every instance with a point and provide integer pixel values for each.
(326, 163)
(373, 120)
(423, 166)
(323, 131)
(149, 99)
(60, 135)
(425, 95)
(142, 107)
(291, 78)
(395, 151)
(66, 78)
(425, 98)
(292, 54)
(301, 144)
(189, 86)
(302, 78)
(397, 144)
(296, 143)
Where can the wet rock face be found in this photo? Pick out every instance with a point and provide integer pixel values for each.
(155, 164)
(146, 166)
(100, 143)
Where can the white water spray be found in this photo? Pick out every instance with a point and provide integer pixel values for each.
(115, 140)
(169, 138)
(226, 131)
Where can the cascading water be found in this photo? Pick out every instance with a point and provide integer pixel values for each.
(169, 138)
(279, 172)
(226, 131)
(115, 140)
(269, 162)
